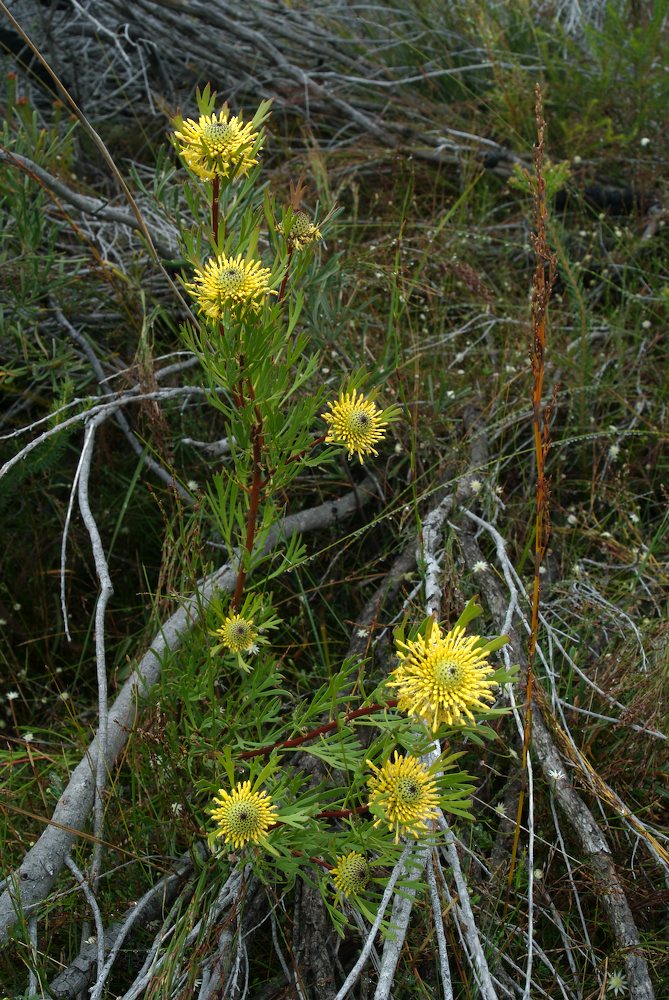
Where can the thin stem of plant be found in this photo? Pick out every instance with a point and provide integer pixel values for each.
(327, 727)
(542, 285)
(282, 290)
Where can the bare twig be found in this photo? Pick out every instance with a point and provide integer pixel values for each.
(95, 909)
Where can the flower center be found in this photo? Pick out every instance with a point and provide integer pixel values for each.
(408, 790)
(231, 279)
(216, 132)
(448, 674)
(243, 817)
(358, 874)
(301, 224)
(359, 421)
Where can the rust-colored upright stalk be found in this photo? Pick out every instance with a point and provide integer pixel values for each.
(542, 286)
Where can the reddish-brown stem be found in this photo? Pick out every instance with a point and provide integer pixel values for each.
(542, 286)
(215, 188)
(341, 813)
(327, 727)
(282, 290)
(316, 861)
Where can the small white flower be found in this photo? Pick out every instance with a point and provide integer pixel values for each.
(480, 567)
(362, 633)
(3, 621)
(634, 518)
(500, 810)
(572, 519)
(16, 606)
(617, 984)
(193, 485)
(607, 534)
(176, 809)
(253, 649)
(64, 695)
(556, 776)
(28, 737)
(475, 485)
(542, 570)
(614, 452)
(644, 141)
(646, 325)
(91, 940)
(577, 159)
(538, 874)
(12, 695)
(398, 448)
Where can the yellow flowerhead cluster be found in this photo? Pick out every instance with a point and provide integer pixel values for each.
(218, 145)
(229, 283)
(442, 677)
(302, 232)
(350, 874)
(243, 817)
(355, 422)
(407, 794)
(238, 634)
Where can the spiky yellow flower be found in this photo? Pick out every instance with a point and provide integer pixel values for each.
(229, 283)
(218, 145)
(350, 874)
(355, 422)
(442, 677)
(406, 793)
(238, 634)
(302, 232)
(243, 817)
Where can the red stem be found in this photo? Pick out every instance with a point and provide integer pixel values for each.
(320, 731)
(282, 290)
(341, 813)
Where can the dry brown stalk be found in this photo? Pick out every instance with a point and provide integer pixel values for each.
(542, 286)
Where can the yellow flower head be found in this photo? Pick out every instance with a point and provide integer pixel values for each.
(407, 794)
(442, 677)
(302, 232)
(218, 145)
(350, 874)
(355, 422)
(229, 283)
(238, 634)
(243, 817)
